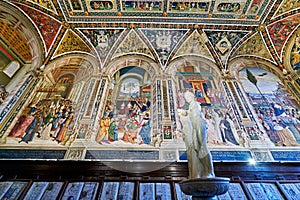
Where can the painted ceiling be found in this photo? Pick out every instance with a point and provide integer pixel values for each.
(163, 30)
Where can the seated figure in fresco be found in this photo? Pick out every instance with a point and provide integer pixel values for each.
(131, 131)
(194, 130)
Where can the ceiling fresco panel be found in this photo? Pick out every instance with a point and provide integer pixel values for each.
(71, 43)
(280, 31)
(224, 41)
(178, 6)
(229, 7)
(103, 40)
(254, 7)
(163, 41)
(143, 6)
(100, 5)
(254, 46)
(286, 6)
(194, 45)
(292, 51)
(47, 26)
(133, 44)
(45, 4)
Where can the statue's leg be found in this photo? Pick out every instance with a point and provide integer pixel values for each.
(208, 170)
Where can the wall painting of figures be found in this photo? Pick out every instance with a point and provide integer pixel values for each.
(276, 109)
(133, 116)
(127, 113)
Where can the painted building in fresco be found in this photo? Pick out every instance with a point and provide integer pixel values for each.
(103, 80)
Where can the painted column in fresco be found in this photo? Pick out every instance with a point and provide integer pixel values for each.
(163, 107)
(16, 102)
(157, 109)
(85, 107)
(96, 99)
(246, 119)
(98, 105)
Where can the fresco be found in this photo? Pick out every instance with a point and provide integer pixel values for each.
(254, 46)
(102, 39)
(286, 6)
(224, 41)
(275, 108)
(131, 125)
(295, 54)
(71, 42)
(142, 6)
(47, 26)
(46, 120)
(194, 6)
(127, 115)
(281, 31)
(221, 128)
(163, 41)
(100, 5)
(254, 7)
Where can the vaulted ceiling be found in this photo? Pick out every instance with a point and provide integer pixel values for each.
(165, 30)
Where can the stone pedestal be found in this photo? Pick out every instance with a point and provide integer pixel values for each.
(205, 188)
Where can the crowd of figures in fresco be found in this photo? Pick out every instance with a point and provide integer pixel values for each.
(129, 121)
(281, 122)
(48, 119)
(276, 110)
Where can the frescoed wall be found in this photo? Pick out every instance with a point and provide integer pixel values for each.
(105, 79)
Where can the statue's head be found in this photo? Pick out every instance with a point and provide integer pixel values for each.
(189, 96)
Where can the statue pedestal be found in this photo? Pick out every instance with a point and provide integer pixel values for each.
(205, 188)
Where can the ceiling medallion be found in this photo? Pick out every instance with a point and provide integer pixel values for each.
(223, 45)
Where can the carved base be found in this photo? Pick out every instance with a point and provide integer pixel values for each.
(205, 188)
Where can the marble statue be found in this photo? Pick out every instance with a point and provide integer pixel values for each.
(194, 129)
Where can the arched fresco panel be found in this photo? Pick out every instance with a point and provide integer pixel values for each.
(126, 118)
(276, 109)
(206, 84)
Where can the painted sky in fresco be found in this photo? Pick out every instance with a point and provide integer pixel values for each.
(266, 81)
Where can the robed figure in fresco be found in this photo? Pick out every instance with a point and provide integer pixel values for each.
(194, 130)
